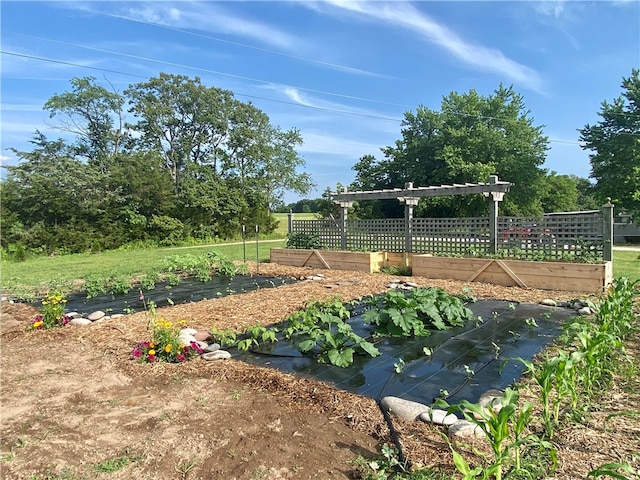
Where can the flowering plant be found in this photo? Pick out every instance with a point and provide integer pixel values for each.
(165, 345)
(51, 312)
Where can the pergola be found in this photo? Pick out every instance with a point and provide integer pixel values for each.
(410, 195)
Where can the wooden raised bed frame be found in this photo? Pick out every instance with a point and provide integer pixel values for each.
(573, 277)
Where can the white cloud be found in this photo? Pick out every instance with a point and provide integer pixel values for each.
(210, 17)
(405, 15)
(316, 142)
(553, 8)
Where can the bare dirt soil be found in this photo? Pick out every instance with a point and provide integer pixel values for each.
(75, 405)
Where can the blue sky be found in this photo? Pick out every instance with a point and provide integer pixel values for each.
(342, 72)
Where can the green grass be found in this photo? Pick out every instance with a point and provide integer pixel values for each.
(40, 273)
(282, 218)
(626, 264)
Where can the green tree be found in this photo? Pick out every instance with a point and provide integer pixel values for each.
(561, 193)
(94, 115)
(470, 138)
(182, 120)
(615, 145)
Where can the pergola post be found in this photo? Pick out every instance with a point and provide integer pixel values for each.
(494, 199)
(290, 222)
(607, 231)
(344, 213)
(409, 203)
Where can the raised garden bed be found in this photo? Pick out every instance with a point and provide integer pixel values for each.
(574, 277)
(370, 262)
(567, 276)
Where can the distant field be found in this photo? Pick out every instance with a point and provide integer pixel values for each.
(281, 230)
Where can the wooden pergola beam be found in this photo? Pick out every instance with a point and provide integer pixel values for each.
(412, 192)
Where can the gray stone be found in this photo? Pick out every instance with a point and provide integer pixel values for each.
(97, 315)
(584, 311)
(188, 331)
(202, 345)
(491, 399)
(74, 315)
(439, 417)
(465, 429)
(549, 302)
(117, 315)
(80, 321)
(212, 347)
(217, 355)
(404, 408)
(186, 339)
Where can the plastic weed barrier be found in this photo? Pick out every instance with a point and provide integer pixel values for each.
(464, 361)
(186, 291)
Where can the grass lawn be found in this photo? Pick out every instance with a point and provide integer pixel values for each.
(626, 263)
(40, 273)
(281, 231)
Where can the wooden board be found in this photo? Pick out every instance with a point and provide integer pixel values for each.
(579, 277)
(370, 262)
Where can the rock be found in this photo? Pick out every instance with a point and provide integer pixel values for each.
(97, 315)
(465, 429)
(584, 311)
(74, 315)
(404, 408)
(549, 302)
(201, 335)
(188, 331)
(217, 355)
(411, 284)
(491, 399)
(80, 321)
(212, 347)
(186, 339)
(117, 315)
(202, 345)
(439, 417)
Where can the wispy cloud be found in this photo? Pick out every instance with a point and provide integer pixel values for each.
(553, 8)
(406, 16)
(301, 98)
(209, 17)
(318, 142)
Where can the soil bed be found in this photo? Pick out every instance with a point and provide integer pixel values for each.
(74, 401)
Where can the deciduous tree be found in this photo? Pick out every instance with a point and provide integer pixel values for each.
(615, 145)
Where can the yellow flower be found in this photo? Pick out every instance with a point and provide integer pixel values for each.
(152, 345)
(37, 324)
(152, 352)
(167, 348)
(44, 302)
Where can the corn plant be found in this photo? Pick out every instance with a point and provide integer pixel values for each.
(505, 426)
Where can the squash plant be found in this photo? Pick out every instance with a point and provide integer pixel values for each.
(335, 342)
(398, 314)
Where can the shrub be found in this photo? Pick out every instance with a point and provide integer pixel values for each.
(304, 241)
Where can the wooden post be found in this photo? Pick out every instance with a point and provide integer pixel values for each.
(290, 222)
(409, 203)
(607, 231)
(494, 199)
(344, 212)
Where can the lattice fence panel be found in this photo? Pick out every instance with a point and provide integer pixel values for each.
(568, 236)
(328, 231)
(451, 236)
(376, 235)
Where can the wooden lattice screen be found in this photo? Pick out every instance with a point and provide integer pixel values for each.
(560, 236)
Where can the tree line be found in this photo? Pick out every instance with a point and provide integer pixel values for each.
(194, 163)
(165, 161)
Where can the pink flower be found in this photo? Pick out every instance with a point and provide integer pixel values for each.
(181, 358)
(151, 358)
(137, 352)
